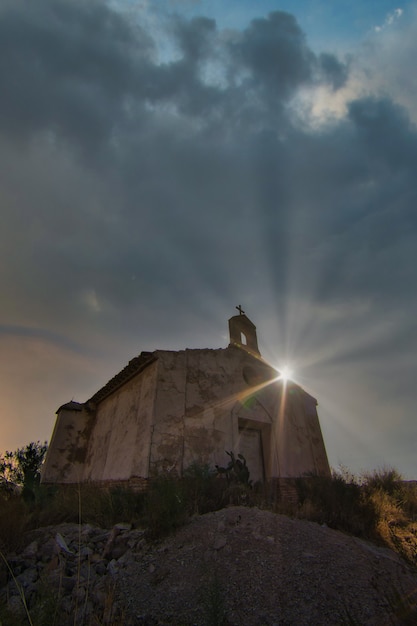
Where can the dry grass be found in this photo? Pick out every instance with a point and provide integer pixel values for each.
(378, 506)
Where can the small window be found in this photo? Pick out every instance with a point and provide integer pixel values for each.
(243, 339)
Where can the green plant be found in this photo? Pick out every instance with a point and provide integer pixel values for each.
(337, 501)
(165, 507)
(386, 479)
(403, 607)
(236, 470)
(19, 588)
(203, 491)
(21, 468)
(14, 517)
(213, 601)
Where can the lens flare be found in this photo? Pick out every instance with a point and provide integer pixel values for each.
(286, 373)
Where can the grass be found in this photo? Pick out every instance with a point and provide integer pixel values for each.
(19, 588)
(213, 601)
(378, 506)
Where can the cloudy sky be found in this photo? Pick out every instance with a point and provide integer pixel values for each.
(162, 162)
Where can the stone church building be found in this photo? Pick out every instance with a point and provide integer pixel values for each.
(166, 410)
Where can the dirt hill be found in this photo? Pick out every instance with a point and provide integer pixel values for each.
(238, 566)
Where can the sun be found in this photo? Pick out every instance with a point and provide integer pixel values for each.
(286, 373)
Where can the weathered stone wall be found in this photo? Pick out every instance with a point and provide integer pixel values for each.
(166, 450)
(185, 407)
(120, 441)
(296, 437)
(212, 381)
(65, 461)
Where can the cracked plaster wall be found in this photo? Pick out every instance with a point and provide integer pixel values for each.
(68, 448)
(296, 442)
(215, 385)
(120, 441)
(188, 406)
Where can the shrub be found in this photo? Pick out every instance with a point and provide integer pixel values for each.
(337, 501)
(13, 522)
(22, 469)
(203, 490)
(165, 507)
(387, 480)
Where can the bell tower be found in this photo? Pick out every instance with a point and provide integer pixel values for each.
(243, 332)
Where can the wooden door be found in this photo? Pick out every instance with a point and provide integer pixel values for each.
(250, 446)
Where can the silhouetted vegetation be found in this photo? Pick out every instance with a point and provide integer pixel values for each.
(20, 470)
(378, 506)
(236, 470)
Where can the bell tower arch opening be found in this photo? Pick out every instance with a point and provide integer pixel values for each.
(243, 332)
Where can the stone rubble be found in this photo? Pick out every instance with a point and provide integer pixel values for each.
(239, 566)
(75, 565)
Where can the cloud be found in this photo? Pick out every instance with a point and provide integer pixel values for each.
(390, 19)
(387, 62)
(75, 61)
(144, 194)
(334, 70)
(275, 52)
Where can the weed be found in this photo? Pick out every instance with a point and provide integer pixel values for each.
(213, 602)
(19, 588)
(165, 506)
(403, 607)
(14, 520)
(337, 501)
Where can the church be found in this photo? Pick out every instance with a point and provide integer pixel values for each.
(169, 409)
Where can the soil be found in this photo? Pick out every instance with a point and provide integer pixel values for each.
(245, 566)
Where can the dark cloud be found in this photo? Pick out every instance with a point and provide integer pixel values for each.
(335, 72)
(140, 197)
(195, 37)
(275, 52)
(386, 134)
(66, 67)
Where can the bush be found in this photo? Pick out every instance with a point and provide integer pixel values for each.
(387, 480)
(377, 506)
(337, 501)
(22, 468)
(13, 522)
(165, 506)
(202, 490)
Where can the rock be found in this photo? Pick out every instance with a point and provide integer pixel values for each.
(112, 567)
(123, 526)
(219, 542)
(79, 593)
(110, 543)
(86, 551)
(100, 568)
(68, 583)
(31, 550)
(15, 606)
(117, 552)
(62, 544)
(49, 549)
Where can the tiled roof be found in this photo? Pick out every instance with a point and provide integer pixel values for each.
(71, 406)
(134, 366)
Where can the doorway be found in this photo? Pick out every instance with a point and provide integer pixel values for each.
(250, 446)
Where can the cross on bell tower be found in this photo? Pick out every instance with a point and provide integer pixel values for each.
(243, 332)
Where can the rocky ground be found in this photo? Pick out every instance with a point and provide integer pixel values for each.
(237, 566)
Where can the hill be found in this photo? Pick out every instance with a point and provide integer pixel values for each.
(236, 566)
